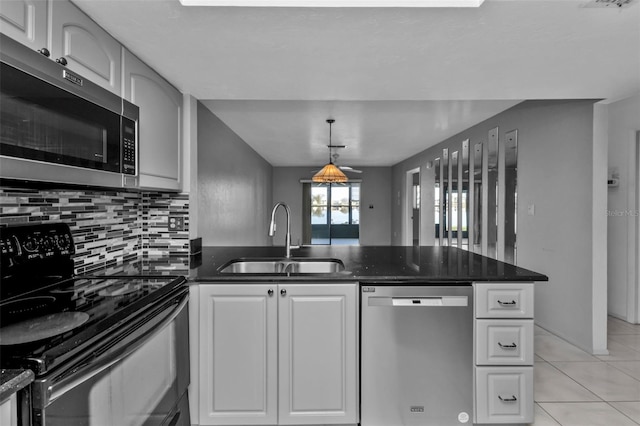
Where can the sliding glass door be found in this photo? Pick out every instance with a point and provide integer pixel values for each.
(335, 213)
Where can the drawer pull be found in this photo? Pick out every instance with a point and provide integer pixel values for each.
(512, 399)
(511, 346)
(500, 302)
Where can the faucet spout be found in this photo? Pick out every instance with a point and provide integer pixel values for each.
(272, 226)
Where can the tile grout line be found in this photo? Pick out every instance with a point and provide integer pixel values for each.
(609, 363)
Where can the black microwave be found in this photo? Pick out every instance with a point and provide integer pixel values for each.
(56, 126)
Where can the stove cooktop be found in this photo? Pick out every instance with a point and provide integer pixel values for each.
(47, 314)
(49, 325)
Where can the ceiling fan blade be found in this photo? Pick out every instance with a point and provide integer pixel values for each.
(349, 169)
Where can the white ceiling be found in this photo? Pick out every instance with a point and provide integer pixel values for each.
(396, 80)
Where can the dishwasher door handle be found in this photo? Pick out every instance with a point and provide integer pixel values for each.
(419, 301)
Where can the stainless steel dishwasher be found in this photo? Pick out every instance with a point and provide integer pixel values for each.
(417, 355)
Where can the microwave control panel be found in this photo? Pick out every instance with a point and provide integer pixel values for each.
(128, 146)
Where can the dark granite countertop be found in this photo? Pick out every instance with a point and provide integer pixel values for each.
(11, 381)
(369, 264)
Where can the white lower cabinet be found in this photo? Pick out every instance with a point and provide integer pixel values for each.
(9, 411)
(504, 342)
(504, 395)
(504, 355)
(278, 354)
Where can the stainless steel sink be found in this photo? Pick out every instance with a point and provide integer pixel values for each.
(314, 266)
(246, 266)
(282, 266)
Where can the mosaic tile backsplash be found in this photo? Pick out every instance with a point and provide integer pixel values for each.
(109, 227)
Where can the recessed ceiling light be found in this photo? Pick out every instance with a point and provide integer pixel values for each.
(334, 3)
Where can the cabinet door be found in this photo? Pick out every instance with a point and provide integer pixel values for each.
(160, 129)
(504, 342)
(8, 411)
(504, 300)
(504, 395)
(25, 21)
(318, 356)
(88, 49)
(238, 350)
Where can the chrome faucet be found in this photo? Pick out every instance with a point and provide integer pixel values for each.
(272, 226)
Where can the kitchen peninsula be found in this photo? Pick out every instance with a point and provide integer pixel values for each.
(426, 264)
(284, 347)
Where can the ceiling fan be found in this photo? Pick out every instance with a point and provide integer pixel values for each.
(331, 173)
(335, 156)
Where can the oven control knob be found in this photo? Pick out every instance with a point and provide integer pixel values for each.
(30, 244)
(47, 243)
(63, 242)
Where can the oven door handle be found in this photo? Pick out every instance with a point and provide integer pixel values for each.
(87, 371)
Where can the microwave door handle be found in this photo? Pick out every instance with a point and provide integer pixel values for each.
(96, 366)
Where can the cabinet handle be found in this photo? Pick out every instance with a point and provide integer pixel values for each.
(511, 346)
(62, 61)
(44, 51)
(270, 292)
(283, 292)
(513, 302)
(512, 399)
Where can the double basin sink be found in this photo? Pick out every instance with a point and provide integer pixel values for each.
(303, 265)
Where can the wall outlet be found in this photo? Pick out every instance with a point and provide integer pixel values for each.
(176, 223)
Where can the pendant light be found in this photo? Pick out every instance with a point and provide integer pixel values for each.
(330, 173)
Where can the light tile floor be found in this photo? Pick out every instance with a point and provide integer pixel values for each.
(574, 388)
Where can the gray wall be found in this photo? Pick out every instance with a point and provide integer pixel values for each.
(375, 223)
(234, 186)
(623, 257)
(555, 173)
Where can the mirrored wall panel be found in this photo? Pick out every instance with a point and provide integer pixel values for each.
(444, 206)
(478, 171)
(452, 231)
(463, 192)
(437, 211)
(492, 194)
(511, 195)
(476, 195)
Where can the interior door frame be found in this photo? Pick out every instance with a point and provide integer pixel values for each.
(633, 249)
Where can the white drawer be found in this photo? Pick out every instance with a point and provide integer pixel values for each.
(504, 395)
(504, 342)
(511, 300)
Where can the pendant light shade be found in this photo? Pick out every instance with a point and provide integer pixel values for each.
(330, 173)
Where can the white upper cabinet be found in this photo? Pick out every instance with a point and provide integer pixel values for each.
(25, 21)
(160, 125)
(85, 46)
(68, 36)
(74, 39)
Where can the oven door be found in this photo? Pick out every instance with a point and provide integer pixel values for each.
(140, 380)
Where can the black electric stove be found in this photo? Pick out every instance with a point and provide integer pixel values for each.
(49, 317)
